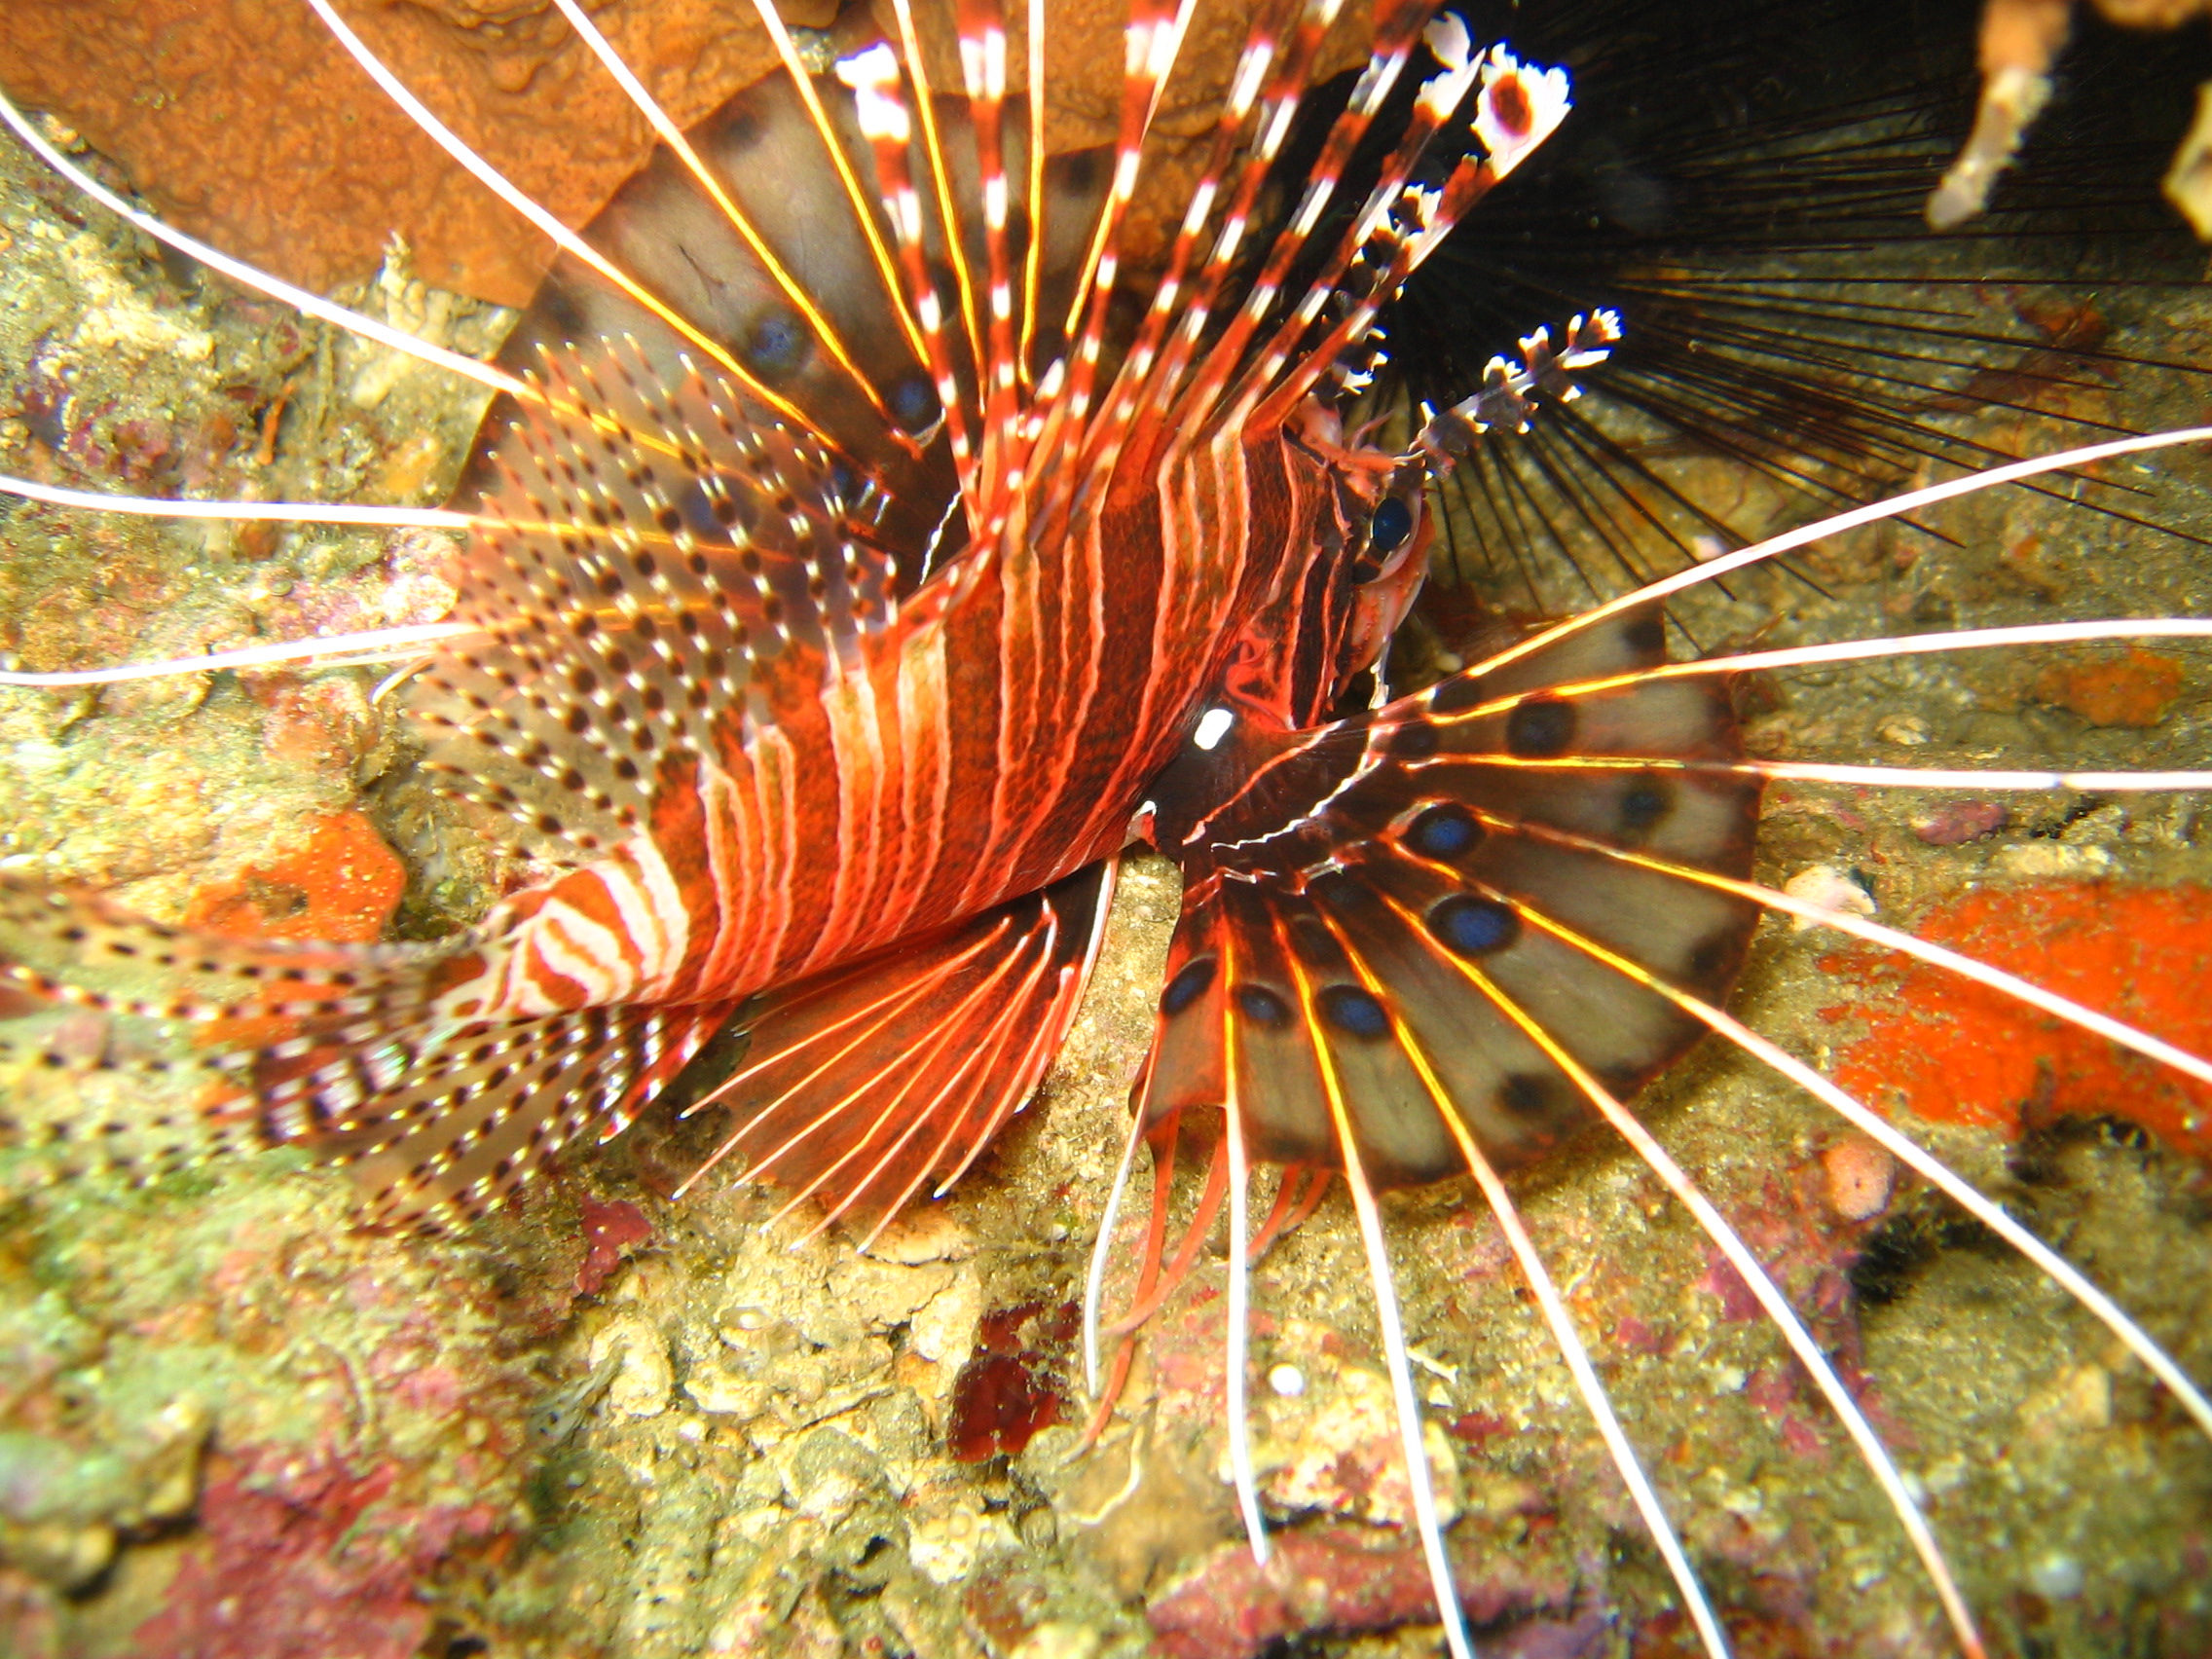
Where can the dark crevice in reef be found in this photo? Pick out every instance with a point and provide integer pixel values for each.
(1896, 1253)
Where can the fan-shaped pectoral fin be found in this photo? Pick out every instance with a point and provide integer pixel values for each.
(1355, 985)
(1336, 904)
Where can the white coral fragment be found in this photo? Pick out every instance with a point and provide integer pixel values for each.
(1826, 888)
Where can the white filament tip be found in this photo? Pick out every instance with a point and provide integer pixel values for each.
(1519, 108)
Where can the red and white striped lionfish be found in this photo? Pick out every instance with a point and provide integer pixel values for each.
(837, 607)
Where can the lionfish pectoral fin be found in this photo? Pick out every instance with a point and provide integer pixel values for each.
(1367, 978)
(868, 1086)
(1344, 911)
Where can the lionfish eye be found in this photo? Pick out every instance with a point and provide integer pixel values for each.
(1387, 532)
(1392, 523)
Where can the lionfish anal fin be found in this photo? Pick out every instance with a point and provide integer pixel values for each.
(863, 1085)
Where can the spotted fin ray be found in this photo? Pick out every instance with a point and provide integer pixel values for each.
(355, 1052)
(655, 559)
(1357, 914)
(849, 367)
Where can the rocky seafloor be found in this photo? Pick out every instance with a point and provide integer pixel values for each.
(234, 1424)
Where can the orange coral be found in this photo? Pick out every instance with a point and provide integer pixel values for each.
(247, 126)
(1955, 1052)
(2133, 690)
(341, 883)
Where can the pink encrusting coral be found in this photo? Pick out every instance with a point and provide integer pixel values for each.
(611, 1232)
(295, 1560)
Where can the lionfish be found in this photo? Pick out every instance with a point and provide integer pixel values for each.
(849, 583)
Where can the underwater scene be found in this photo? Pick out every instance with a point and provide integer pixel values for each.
(1206, 827)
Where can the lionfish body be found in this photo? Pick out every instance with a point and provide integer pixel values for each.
(787, 692)
(837, 620)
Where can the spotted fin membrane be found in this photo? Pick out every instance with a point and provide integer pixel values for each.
(1435, 935)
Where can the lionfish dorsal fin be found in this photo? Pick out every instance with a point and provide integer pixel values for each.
(1396, 33)
(1403, 221)
(1229, 353)
(1255, 120)
(1365, 928)
(1153, 36)
(887, 122)
(1266, 77)
(651, 559)
(984, 75)
(751, 257)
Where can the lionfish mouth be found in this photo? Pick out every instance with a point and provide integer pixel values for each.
(1690, 1025)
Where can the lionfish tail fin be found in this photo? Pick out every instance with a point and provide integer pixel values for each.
(86, 988)
(443, 1121)
(865, 1087)
(351, 1051)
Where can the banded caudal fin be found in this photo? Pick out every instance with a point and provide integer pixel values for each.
(355, 1052)
(58, 944)
(860, 1087)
